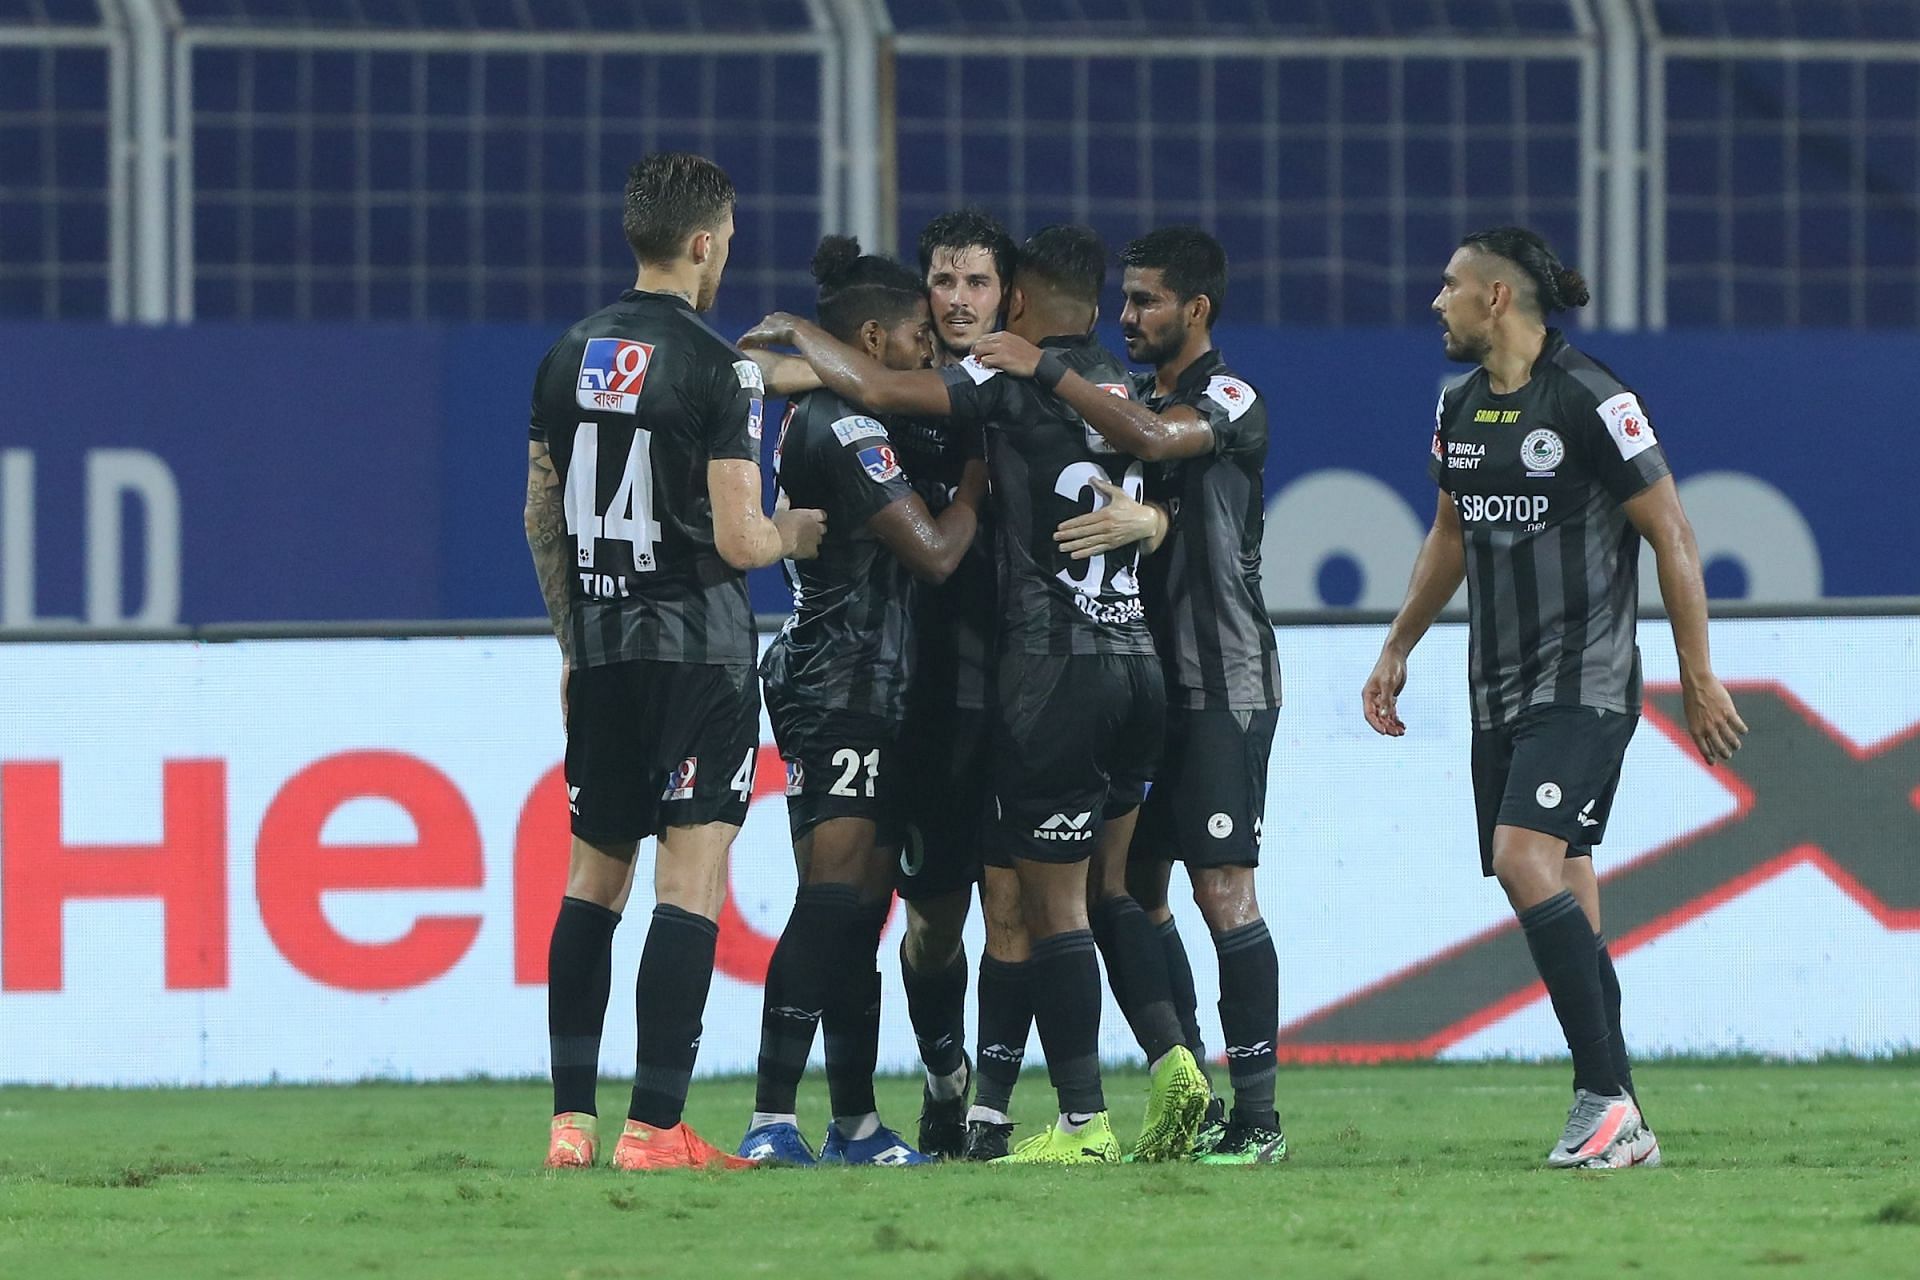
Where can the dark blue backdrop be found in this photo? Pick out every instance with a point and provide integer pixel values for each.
(337, 472)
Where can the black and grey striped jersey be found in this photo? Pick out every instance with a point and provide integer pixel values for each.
(633, 402)
(953, 620)
(1041, 460)
(1538, 477)
(848, 645)
(1204, 604)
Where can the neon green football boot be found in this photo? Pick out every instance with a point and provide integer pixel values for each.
(1176, 1105)
(1094, 1144)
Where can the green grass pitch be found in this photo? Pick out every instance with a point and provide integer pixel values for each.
(1397, 1171)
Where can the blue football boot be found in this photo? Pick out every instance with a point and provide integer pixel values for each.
(777, 1144)
(882, 1147)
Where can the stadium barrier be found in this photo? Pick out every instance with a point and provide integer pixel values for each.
(338, 858)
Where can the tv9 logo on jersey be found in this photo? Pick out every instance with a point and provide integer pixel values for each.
(612, 371)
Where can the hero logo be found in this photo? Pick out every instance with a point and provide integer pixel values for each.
(680, 780)
(796, 778)
(612, 371)
(1492, 508)
(1066, 827)
(1627, 423)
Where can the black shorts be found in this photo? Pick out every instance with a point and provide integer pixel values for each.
(1209, 798)
(1552, 769)
(659, 744)
(1076, 744)
(944, 787)
(840, 764)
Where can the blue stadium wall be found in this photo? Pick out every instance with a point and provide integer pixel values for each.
(369, 472)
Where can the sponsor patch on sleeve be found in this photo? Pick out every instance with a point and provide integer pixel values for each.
(857, 427)
(1117, 389)
(612, 371)
(756, 411)
(749, 374)
(1231, 394)
(977, 371)
(880, 463)
(1627, 423)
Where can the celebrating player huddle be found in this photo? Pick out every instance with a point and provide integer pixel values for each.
(1029, 652)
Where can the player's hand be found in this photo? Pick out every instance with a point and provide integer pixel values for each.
(1380, 698)
(801, 529)
(1120, 523)
(1007, 353)
(774, 331)
(1712, 722)
(786, 376)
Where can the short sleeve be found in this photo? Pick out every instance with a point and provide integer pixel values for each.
(1436, 459)
(857, 461)
(540, 426)
(1621, 447)
(736, 412)
(976, 394)
(1236, 413)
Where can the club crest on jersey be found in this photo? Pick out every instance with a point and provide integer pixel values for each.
(680, 779)
(880, 463)
(1542, 451)
(1627, 423)
(1231, 394)
(750, 377)
(796, 778)
(612, 371)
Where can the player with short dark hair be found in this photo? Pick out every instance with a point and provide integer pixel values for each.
(966, 262)
(1204, 604)
(1080, 702)
(1549, 477)
(643, 514)
(837, 678)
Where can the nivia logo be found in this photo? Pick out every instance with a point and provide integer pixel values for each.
(1060, 826)
(1586, 815)
(573, 801)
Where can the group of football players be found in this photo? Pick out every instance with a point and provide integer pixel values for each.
(1028, 652)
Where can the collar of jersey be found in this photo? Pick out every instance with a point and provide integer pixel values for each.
(644, 295)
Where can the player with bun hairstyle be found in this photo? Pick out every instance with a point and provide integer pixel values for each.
(1550, 476)
(836, 683)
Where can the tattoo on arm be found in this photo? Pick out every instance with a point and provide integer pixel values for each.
(546, 522)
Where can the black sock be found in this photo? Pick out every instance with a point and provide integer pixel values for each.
(1065, 989)
(670, 999)
(1186, 1001)
(1616, 1039)
(579, 976)
(1250, 1018)
(852, 1020)
(937, 1007)
(810, 948)
(1564, 953)
(1006, 1019)
(1137, 968)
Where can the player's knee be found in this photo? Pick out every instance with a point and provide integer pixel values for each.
(1147, 885)
(935, 930)
(599, 873)
(1228, 897)
(1528, 865)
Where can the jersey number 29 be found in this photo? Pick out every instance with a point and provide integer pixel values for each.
(629, 517)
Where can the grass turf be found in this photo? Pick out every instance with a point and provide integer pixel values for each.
(1431, 1170)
